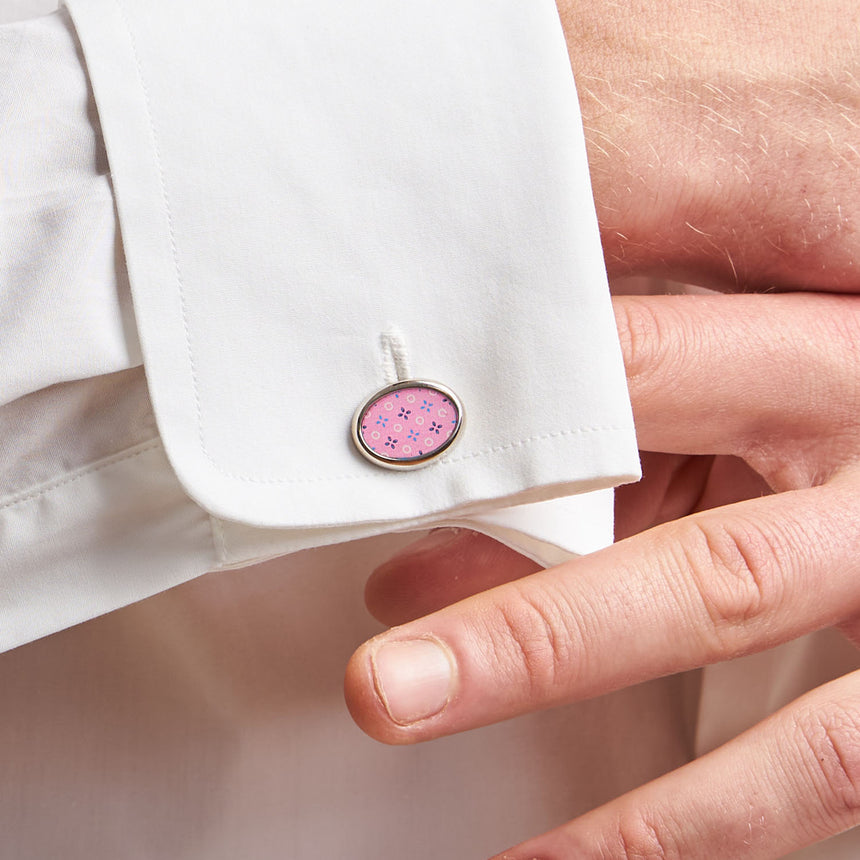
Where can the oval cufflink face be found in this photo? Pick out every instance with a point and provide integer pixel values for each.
(408, 424)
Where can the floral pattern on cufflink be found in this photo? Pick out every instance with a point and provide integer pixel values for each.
(419, 420)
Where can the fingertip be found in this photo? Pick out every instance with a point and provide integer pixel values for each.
(362, 701)
(394, 687)
(404, 587)
(442, 568)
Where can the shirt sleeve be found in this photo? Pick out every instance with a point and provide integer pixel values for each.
(313, 203)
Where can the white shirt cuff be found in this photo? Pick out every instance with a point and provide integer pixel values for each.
(390, 169)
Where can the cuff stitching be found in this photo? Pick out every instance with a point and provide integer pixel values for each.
(128, 454)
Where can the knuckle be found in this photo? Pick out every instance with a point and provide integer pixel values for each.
(830, 744)
(640, 332)
(737, 577)
(640, 837)
(533, 636)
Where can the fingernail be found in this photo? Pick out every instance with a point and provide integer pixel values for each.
(414, 679)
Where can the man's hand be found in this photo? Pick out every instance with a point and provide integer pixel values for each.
(724, 146)
(767, 387)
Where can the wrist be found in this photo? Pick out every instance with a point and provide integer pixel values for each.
(717, 154)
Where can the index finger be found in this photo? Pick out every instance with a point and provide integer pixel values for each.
(688, 593)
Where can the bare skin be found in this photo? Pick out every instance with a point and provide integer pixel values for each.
(723, 139)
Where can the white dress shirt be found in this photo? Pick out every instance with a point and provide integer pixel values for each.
(282, 221)
(353, 182)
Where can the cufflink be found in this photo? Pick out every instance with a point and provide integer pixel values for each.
(407, 425)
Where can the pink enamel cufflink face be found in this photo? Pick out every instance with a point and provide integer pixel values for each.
(407, 425)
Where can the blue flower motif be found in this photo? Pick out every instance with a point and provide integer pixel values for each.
(435, 428)
(428, 405)
(404, 412)
(390, 443)
(412, 434)
(382, 420)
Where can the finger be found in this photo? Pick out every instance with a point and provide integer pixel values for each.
(438, 570)
(674, 485)
(789, 782)
(736, 374)
(685, 594)
(451, 564)
(671, 487)
(703, 378)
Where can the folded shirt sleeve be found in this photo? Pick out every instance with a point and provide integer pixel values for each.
(313, 202)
